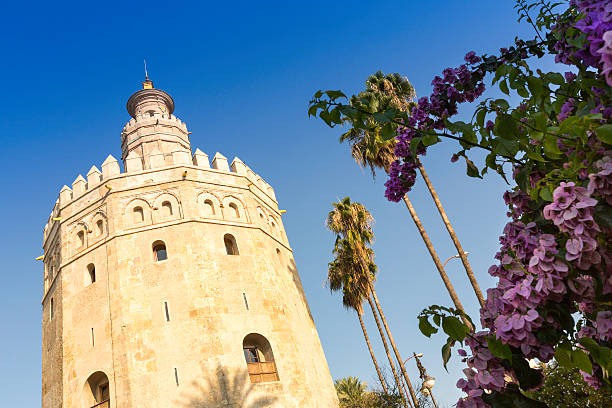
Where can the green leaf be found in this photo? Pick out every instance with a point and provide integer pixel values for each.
(480, 117)
(546, 194)
(581, 360)
(455, 329)
(471, 168)
(388, 131)
(335, 94)
(604, 133)
(535, 86)
(533, 155)
(312, 111)
(523, 92)
(505, 147)
(551, 149)
(425, 327)
(502, 103)
(563, 355)
(318, 94)
(430, 139)
(499, 349)
(503, 86)
(446, 351)
(540, 120)
(555, 78)
(505, 126)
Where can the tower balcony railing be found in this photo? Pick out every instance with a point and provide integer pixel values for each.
(103, 404)
(264, 371)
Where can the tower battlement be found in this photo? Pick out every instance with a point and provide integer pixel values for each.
(112, 178)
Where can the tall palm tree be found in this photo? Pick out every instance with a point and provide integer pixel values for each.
(369, 149)
(352, 222)
(339, 279)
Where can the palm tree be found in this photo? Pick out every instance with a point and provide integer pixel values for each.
(350, 389)
(352, 222)
(338, 279)
(369, 149)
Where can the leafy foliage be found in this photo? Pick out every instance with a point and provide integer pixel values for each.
(554, 295)
(565, 388)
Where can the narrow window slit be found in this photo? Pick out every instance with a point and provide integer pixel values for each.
(176, 376)
(246, 302)
(93, 343)
(167, 312)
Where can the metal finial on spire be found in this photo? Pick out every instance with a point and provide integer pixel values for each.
(147, 83)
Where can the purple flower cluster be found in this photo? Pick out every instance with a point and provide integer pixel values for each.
(458, 85)
(484, 372)
(572, 212)
(597, 25)
(566, 109)
(518, 201)
(600, 183)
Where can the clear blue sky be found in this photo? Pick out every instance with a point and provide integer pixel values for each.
(241, 75)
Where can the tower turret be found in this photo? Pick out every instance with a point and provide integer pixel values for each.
(153, 129)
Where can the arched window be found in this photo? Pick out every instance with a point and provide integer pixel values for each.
(230, 244)
(97, 391)
(259, 358)
(91, 270)
(81, 238)
(209, 208)
(99, 227)
(51, 309)
(166, 209)
(273, 227)
(234, 212)
(159, 251)
(280, 256)
(138, 215)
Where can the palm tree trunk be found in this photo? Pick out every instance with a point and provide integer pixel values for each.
(434, 256)
(397, 355)
(384, 340)
(451, 231)
(367, 339)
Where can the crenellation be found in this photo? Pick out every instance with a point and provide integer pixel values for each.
(65, 195)
(79, 186)
(238, 166)
(200, 159)
(94, 177)
(220, 162)
(110, 168)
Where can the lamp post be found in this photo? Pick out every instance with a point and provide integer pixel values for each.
(428, 382)
(453, 257)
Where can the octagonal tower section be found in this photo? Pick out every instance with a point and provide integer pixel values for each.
(173, 284)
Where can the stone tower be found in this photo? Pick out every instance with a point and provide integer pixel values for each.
(172, 284)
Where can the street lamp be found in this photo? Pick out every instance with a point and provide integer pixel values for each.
(428, 381)
(452, 257)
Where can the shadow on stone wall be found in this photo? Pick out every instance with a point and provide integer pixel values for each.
(298, 283)
(224, 389)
